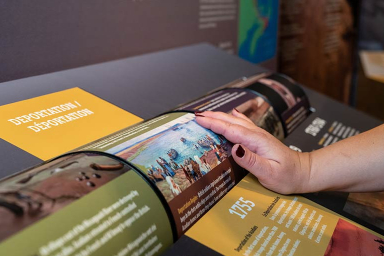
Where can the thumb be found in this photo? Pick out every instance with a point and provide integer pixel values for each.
(255, 164)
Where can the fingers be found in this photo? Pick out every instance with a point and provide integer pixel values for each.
(238, 114)
(255, 164)
(234, 132)
(239, 119)
(238, 130)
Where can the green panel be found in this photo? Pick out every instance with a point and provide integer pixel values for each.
(117, 202)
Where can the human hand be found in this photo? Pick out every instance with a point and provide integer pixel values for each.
(275, 165)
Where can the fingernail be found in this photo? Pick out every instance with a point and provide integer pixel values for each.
(240, 151)
(236, 110)
(198, 113)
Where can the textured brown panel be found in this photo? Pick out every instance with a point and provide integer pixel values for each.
(317, 40)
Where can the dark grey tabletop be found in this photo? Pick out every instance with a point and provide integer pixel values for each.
(145, 85)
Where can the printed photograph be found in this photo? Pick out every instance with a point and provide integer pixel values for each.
(347, 239)
(176, 155)
(263, 115)
(367, 206)
(283, 91)
(37, 193)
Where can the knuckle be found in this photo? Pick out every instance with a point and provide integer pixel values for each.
(230, 128)
(262, 134)
(252, 161)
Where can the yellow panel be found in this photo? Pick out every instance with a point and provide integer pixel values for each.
(56, 123)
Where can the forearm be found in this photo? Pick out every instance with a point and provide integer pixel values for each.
(355, 164)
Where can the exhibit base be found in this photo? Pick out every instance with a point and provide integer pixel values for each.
(149, 85)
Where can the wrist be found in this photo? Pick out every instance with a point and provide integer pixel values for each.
(305, 172)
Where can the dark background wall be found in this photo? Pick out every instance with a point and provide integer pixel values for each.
(44, 36)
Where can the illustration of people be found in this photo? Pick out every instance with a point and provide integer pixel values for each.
(197, 147)
(215, 151)
(189, 167)
(198, 161)
(165, 164)
(162, 167)
(221, 152)
(173, 186)
(161, 172)
(154, 175)
(196, 168)
(153, 168)
(174, 165)
(210, 140)
(187, 174)
(150, 175)
(205, 166)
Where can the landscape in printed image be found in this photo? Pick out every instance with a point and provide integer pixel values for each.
(176, 157)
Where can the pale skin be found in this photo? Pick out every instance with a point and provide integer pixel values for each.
(355, 164)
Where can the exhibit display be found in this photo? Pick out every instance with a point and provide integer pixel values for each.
(167, 185)
(112, 203)
(256, 221)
